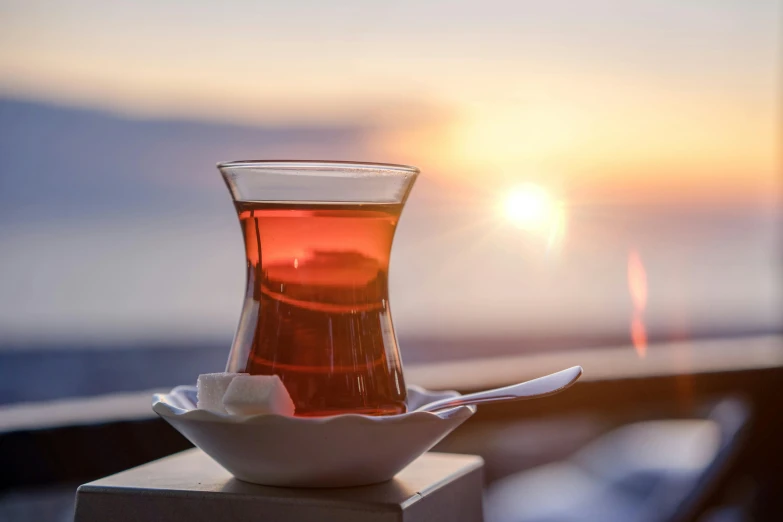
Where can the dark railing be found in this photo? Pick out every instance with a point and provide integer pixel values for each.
(51, 455)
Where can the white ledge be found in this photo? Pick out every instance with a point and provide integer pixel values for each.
(77, 411)
(600, 364)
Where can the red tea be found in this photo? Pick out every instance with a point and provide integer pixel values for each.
(318, 304)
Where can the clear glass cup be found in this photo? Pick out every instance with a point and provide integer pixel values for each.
(318, 236)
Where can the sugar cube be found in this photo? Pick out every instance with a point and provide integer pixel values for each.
(256, 394)
(210, 389)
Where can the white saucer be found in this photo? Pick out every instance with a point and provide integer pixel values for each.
(336, 451)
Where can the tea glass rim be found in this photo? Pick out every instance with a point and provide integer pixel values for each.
(323, 166)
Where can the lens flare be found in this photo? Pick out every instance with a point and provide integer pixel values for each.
(637, 287)
(639, 335)
(637, 280)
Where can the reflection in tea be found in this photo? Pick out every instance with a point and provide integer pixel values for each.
(317, 280)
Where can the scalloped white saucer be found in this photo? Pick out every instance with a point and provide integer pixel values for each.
(336, 451)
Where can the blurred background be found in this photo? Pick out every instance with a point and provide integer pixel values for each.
(594, 174)
(655, 126)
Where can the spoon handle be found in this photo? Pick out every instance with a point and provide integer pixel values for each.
(547, 385)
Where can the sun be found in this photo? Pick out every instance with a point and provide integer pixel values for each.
(530, 207)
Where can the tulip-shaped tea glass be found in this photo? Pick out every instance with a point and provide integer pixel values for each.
(317, 240)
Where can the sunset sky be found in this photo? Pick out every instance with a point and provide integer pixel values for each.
(647, 100)
(555, 139)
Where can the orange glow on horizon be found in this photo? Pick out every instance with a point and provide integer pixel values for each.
(607, 170)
